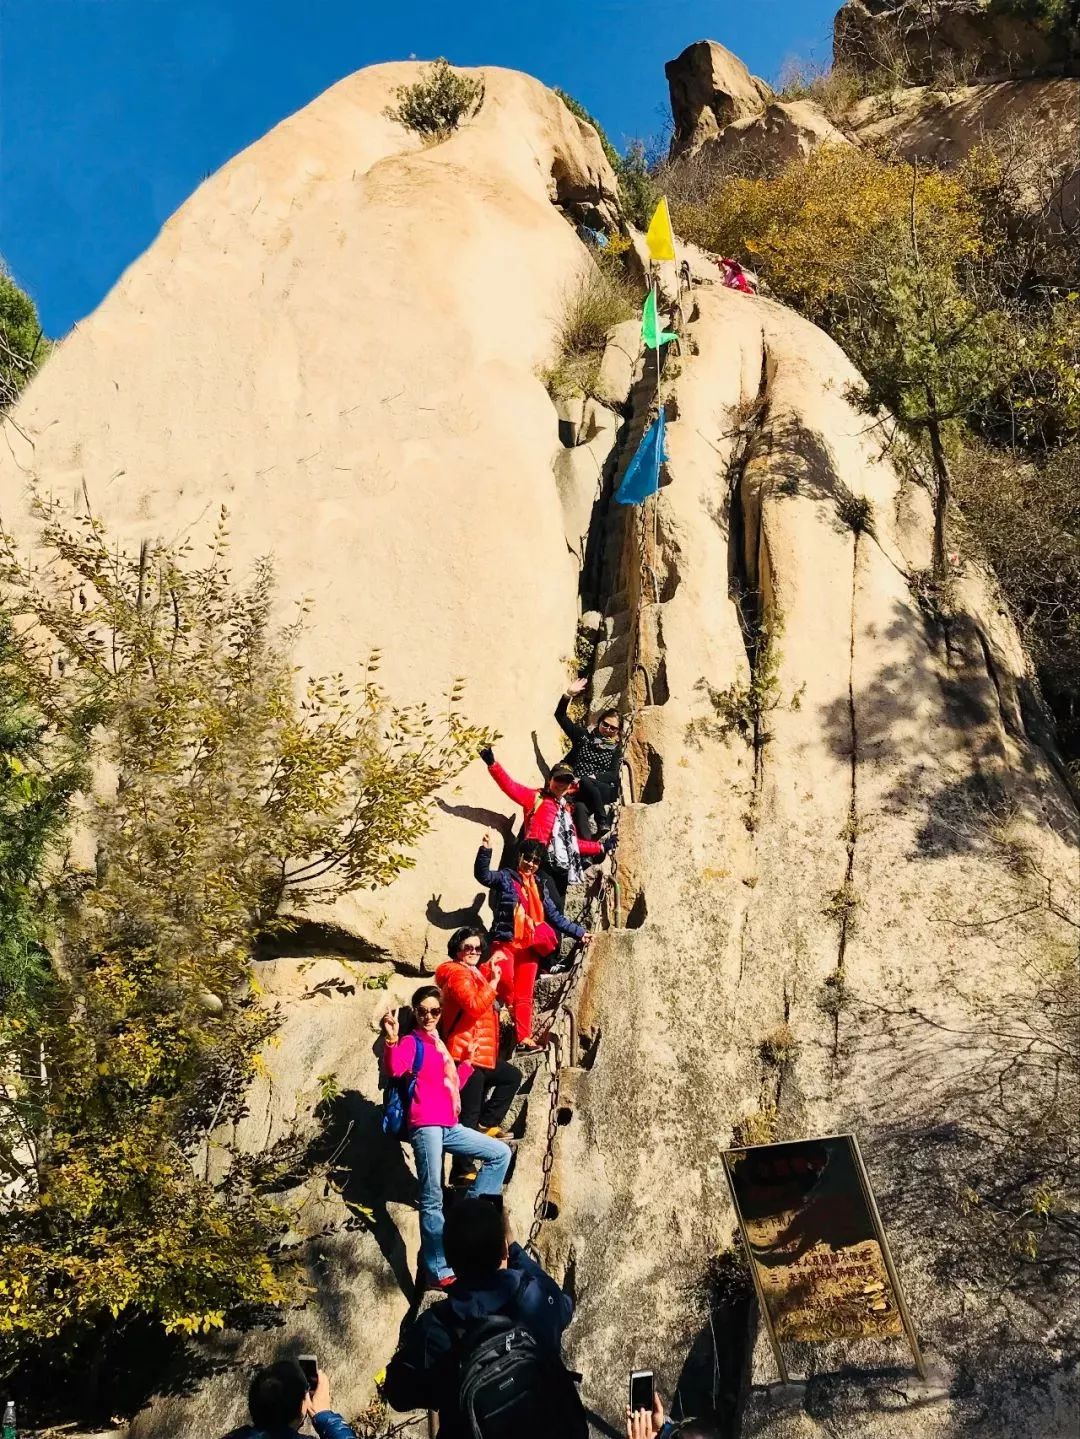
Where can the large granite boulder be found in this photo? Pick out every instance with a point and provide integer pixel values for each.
(710, 87)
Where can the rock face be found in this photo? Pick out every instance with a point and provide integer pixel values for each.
(710, 87)
(821, 877)
(336, 336)
(922, 38)
(943, 127)
(782, 132)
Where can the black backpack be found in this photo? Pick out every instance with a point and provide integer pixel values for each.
(511, 1387)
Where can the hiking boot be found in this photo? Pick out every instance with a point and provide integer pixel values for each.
(504, 1134)
(529, 1046)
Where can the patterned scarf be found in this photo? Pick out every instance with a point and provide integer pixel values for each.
(564, 846)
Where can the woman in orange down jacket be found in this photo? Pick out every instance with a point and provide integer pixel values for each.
(470, 1031)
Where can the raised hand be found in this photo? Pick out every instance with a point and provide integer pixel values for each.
(390, 1026)
(577, 687)
(487, 754)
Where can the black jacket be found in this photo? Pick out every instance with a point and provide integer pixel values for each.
(423, 1374)
(590, 753)
(504, 885)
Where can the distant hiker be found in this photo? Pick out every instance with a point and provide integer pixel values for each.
(470, 1031)
(490, 1351)
(549, 818)
(279, 1401)
(523, 930)
(595, 758)
(433, 1119)
(735, 277)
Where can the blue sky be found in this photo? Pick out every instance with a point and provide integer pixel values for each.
(113, 111)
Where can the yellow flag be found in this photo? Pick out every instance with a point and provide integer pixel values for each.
(659, 236)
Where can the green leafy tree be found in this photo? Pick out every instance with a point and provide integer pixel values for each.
(22, 347)
(930, 354)
(578, 110)
(223, 805)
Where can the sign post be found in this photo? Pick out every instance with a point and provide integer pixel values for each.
(816, 1245)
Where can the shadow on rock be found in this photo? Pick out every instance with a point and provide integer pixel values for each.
(367, 1169)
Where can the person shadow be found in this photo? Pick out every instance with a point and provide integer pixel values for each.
(451, 919)
(367, 1169)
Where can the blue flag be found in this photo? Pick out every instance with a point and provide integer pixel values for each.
(642, 477)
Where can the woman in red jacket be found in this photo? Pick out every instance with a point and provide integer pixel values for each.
(470, 1031)
(549, 818)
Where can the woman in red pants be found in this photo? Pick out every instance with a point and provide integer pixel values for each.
(522, 931)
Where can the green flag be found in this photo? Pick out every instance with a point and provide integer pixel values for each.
(651, 332)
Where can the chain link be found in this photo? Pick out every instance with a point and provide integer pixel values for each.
(597, 906)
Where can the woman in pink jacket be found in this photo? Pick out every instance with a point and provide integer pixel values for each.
(433, 1122)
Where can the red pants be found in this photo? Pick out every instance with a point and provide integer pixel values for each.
(517, 971)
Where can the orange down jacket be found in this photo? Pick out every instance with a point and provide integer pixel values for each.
(469, 1024)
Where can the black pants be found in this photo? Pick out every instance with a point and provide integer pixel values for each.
(486, 1096)
(559, 879)
(595, 796)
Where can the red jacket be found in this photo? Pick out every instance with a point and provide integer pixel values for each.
(540, 809)
(469, 1025)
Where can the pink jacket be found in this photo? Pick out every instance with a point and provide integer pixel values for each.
(437, 1099)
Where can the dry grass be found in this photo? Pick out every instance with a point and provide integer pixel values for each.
(779, 1047)
(835, 89)
(757, 1128)
(598, 302)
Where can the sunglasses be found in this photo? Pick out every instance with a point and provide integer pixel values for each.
(607, 727)
(470, 948)
(427, 1011)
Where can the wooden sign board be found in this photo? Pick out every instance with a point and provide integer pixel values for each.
(815, 1244)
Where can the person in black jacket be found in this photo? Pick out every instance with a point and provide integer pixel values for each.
(494, 1276)
(279, 1401)
(595, 757)
(525, 929)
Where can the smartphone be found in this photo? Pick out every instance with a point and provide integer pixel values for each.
(642, 1393)
(310, 1365)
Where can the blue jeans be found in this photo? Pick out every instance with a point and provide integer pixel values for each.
(429, 1144)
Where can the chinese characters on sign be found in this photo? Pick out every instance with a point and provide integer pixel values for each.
(816, 1246)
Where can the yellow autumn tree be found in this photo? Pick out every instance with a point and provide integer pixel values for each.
(234, 798)
(817, 231)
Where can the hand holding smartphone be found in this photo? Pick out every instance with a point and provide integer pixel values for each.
(310, 1365)
(642, 1391)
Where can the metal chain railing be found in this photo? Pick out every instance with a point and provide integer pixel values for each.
(597, 905)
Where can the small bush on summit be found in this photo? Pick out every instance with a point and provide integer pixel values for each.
(438, 102)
